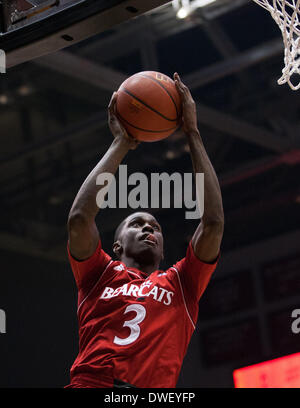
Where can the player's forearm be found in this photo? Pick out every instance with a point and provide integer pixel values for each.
(85, 201)
(213, 206)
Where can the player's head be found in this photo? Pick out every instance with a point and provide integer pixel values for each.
(139, 236)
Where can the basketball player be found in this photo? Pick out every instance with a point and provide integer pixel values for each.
(135, 320)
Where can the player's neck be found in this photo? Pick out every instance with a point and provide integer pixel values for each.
(132, 263)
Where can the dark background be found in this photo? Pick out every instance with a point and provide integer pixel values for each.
(54, 131)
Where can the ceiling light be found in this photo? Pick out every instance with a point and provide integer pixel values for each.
(3, 99)
(170, 154)
(183, 12)
(185, 7)
(24, 90)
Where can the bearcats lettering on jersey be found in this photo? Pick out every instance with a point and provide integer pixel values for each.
(157, 293)
(134, 327)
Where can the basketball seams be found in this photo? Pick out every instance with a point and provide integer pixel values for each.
(144, 130)
(161, 85)
(145, 102)
(148, 106)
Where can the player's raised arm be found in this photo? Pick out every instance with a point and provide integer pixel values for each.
(82, 229)
(208, 236)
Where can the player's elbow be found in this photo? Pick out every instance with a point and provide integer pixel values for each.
(76, 221)
(214, 226)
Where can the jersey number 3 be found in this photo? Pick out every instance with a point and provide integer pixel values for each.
(132, 324)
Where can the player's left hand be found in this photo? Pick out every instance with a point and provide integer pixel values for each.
(189, 113)
(116, 128)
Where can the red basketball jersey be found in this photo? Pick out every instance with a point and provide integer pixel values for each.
(135, 327)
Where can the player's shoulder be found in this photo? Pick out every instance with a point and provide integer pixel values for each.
(118, 270)
(165, 274)
(117, 267)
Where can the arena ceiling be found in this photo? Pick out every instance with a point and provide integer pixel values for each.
(53, 118)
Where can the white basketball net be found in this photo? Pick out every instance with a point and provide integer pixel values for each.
(286, 13)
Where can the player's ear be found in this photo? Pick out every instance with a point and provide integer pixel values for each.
(117, 249)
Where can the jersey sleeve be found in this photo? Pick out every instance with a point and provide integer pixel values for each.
(194, 276)
(88, 271)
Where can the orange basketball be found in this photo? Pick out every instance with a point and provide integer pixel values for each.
(149, 106)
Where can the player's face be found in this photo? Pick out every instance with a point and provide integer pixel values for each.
(141, 238)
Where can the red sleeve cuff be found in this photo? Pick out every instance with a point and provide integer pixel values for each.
(83, 261)
(88, 270)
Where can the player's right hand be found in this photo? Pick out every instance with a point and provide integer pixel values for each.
(189, 114)
(116, 128)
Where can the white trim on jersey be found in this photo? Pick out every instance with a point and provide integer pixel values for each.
(187, 311)
(94, 285)
(128, 270)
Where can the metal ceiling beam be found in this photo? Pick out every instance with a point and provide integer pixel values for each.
(148, 50)
(226, 123)
(63, 85)
(106, 78)
(262, 207)
(83, 69)
(217, 35)
(123, 41)
(15, 243)
(125, 38)
(256, 167)
(216, 10)
(235, 64)
(223, 44)
(91, 124)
